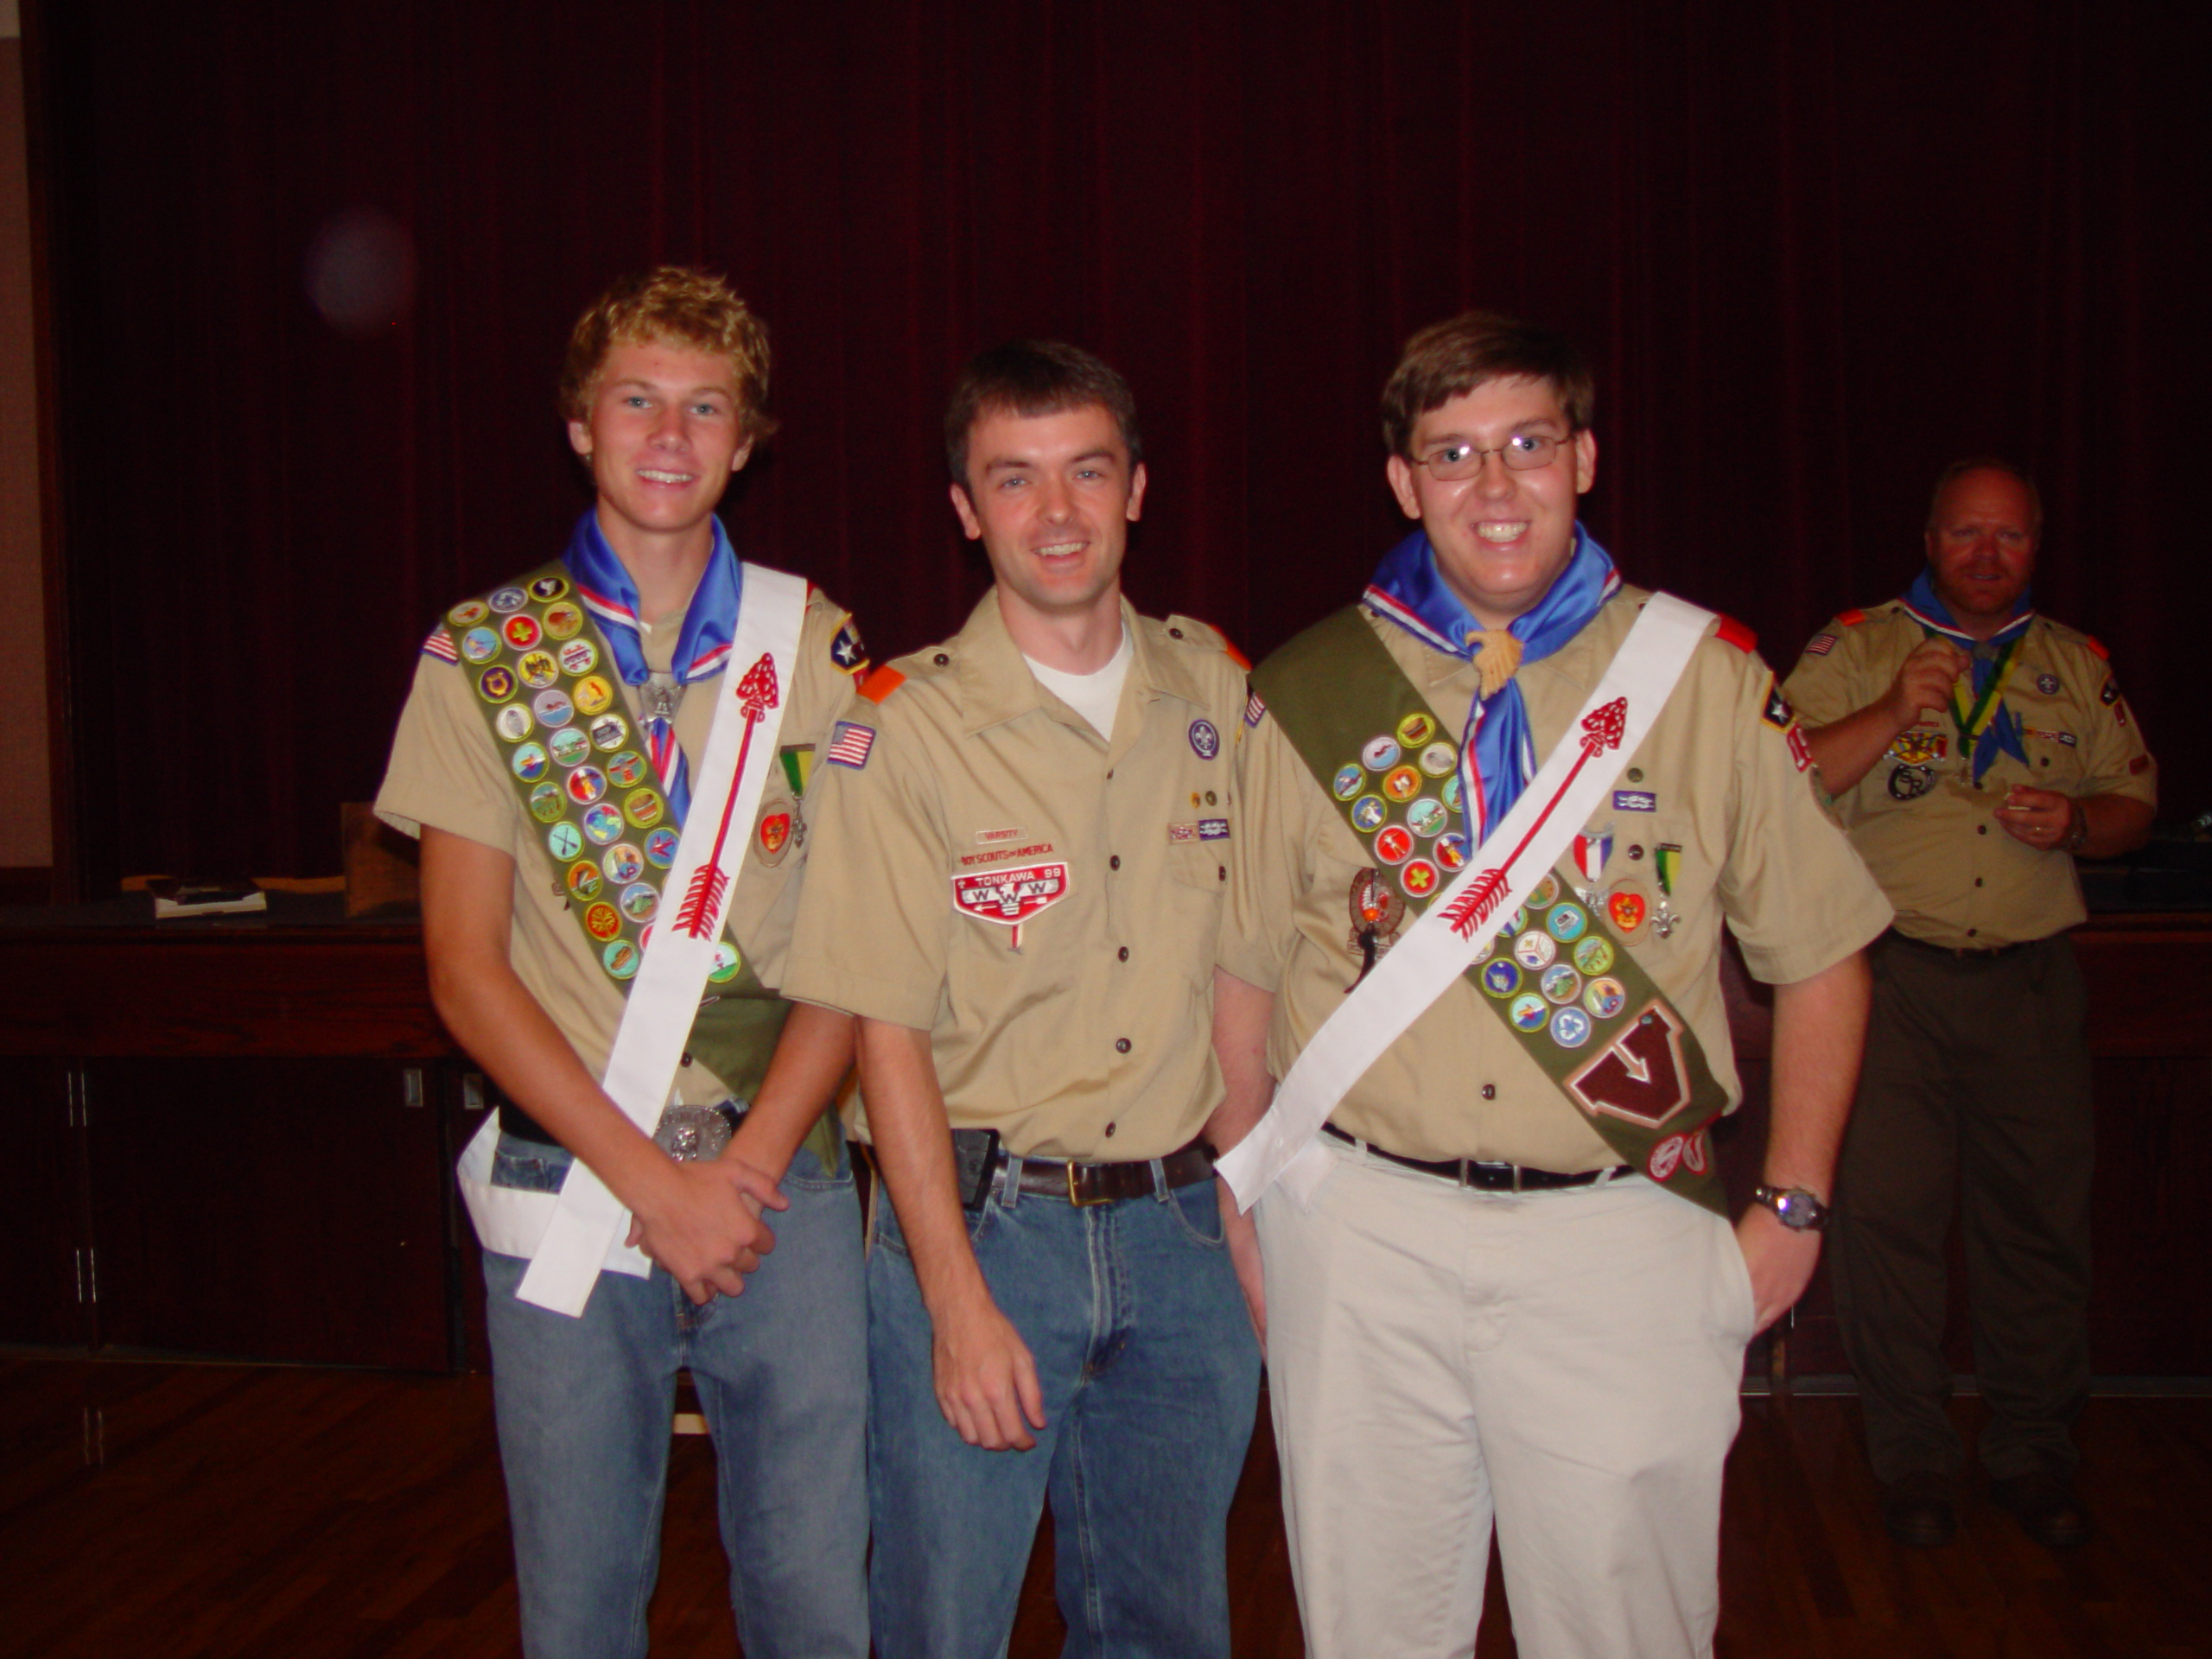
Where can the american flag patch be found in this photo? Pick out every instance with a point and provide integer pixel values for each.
(439, 644)
(850, 744)
(1820, 645)
(1254, 709)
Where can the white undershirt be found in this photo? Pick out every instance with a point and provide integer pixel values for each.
(1095, 696)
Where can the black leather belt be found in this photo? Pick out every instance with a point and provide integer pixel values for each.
(1080, 1183)
(520, 1125)
(1486, 1178)
(1962, 952)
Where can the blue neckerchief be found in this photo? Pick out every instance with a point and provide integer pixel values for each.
(2002, 734)
(1497, 752)
(703, 645)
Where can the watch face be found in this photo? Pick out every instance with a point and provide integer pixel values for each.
(1798, 1209)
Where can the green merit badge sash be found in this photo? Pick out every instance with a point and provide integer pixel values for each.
(551, 694)
(1551, 969)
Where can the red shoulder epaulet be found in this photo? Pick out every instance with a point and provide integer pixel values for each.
(2097, 645)
(1851, 619)
(881, 683)
(1736, 634)
(1245, 663)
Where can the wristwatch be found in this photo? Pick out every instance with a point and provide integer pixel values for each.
(1794, 1207)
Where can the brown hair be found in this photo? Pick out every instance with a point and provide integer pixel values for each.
(1447, 359)
(1034, 377)
(690, 309)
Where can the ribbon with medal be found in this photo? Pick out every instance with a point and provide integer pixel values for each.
(1578, 1003)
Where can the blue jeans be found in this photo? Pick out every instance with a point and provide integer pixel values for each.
(1150, 1375)
(584, 1407)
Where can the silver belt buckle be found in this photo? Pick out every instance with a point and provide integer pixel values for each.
(690, 1133)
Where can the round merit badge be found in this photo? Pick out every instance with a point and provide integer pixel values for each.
(660, 849)
(509, 599)
(553, 707)
(622, 958)
(547, 588)
(1451, 850)
(1415, 730)
(512, 722)
(602, 823)
(1379, 755)
(1451, 792)
(640, 901)
(1394, 845)
(642, 807)
(1529, 1011)
(562, 621)
(548, 802)
(537, 669)
(565, 840)
(1534, 949)
(521, 631)
(1605, 998)
(1567, 923)
(1368, 813)
(496, 683)
(583, 881)
(593, 694)
(579, 657)
(1501, 978)
(468, 613)
(1560, 984)
(602, 921)
(1570, 1027)
(726, 962)
(1419, 878)
(1205, 742)
(1401, 783)
(1541, 895)
(529, 762)
(1440, 760)
(609, 731)
(586, 784)
(1594, 955)
(625, 769)
(623, 863)
(569, 745)
(1347, 782)
(479, 644)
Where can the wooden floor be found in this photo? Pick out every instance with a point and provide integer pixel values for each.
(154, 1510)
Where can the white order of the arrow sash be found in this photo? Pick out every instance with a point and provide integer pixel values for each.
(570, 1238)
(1441, 946)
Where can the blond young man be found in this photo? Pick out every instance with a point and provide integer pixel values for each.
(548, 756)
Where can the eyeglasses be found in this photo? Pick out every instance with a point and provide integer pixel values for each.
(1523, 453)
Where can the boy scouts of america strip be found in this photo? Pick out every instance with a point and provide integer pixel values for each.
(1513, 859)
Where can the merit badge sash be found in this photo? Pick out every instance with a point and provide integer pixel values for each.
(579, 766)
(1547, 966)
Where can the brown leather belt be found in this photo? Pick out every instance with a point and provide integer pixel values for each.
(1079, 1183)
(1962, 952)
(1484, 1176)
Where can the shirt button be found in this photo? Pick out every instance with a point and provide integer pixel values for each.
(1221, 872)
(687, 1059)
(1971, 931)
(1489, 1091)
(1977, 880)
(1981, 828)
(1114, 862)
(1109, 1131)
(1123, 953)
(1120, 1045)
(1174, 633)
(1636, 852)
(940, 660)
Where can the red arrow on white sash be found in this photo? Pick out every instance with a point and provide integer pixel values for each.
(701, 914)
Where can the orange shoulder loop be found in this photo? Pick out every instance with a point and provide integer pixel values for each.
(1851, 619)
(1736, 634)
(881, 683)
(2097, 645)
(1245, 663)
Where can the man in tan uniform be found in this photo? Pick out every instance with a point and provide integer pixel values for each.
(1514, 1292)
(1974, 749)
(1030, 832)
(545, 757)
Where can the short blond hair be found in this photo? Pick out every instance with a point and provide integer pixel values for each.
(695, 309)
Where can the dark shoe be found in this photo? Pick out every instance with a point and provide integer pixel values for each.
(1917, 1510)
(2044, 1507)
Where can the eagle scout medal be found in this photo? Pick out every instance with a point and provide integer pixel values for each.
(1593, 847)
(1664, 859)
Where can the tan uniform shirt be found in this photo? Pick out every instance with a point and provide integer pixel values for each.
(1918, 818)
(1715, 776)
(987, 805)
(449, 773)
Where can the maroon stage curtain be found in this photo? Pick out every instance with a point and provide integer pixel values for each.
(1816, 253)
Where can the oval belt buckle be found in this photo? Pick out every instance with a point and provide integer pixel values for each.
(689, 1134)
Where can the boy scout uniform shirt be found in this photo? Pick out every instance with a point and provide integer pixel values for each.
(445, 773)
(1716, 776)
(984, 793)
(1918, 818)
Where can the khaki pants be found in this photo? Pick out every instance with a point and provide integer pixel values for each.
(1566, 1361)
(1976, 1083)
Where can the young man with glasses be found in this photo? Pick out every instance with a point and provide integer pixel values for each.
(1499, 1281)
